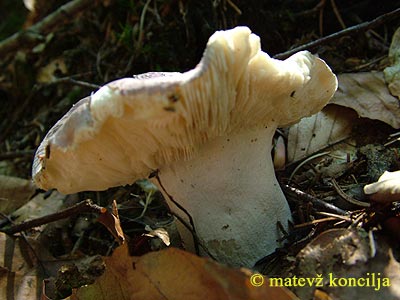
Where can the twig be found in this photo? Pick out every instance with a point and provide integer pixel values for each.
(306, 161)
(348, 31)
(357, 220)
(76, 82)
(369, 63)
(235, 7)
(313, 222)
(315, 201)
(346, 197)
(141, 26)
(146, 205)
(372, 245)
(34, 34)
(16, 154)
(321, 6)
(82, 207)
(196, 238)
(193, 229)
(327, 214)
(337, 14)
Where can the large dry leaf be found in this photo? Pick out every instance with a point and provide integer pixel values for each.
(18, 277)
(392, 73)
(339, 257)
(39, 206)
(24, 262)
(369, 96)
(310, 135)
(14, 192)
(174, 274)
(386, 189)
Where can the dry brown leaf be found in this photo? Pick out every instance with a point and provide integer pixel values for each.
(386, 189)
(39, 206)
(369, 96)
(14, 192)
(161, 233)
(331, 125)
(321, 295)
(111, 221)
(48, 73)
(392, 73)
(18, 279)
(174, 274)
(340, 257)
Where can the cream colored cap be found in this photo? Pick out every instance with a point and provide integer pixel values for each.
(133, 126)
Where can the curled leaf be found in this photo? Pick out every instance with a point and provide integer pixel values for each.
(14, 192)
(392, 73)
(175, 274)
(369, 96)
(161, 233)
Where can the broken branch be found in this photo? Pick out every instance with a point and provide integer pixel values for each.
(65, 14)
(86, 206)
(348, 31)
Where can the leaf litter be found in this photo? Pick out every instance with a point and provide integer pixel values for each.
(362, 94)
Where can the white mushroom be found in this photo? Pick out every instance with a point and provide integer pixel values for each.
(208, 131)
(386, 189)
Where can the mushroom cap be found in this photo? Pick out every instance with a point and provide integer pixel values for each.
(133, 126)
(386, 189)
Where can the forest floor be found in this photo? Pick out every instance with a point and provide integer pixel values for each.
(53, 62)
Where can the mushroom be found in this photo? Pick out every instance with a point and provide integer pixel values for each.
(386, 189)
(207, 131)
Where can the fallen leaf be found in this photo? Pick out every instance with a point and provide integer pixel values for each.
(52, 70)
(175, 274)
(321, 295)
(18, 277)
(310, 135)
(14, 192)
(392, 73)
(347, 267)
(112, 222)
(386, 189)
(39, 206)
(161, 233)
(369, 96)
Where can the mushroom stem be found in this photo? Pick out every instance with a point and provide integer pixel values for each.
(232, 194)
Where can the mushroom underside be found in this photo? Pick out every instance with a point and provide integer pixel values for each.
(231, 192)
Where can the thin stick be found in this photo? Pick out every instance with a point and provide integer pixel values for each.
(327, 214)
(193, 229)
(337, 14)
(348, 31)
(197, 240)
(306, 161)
(235, 7)
(34, 34)
(346, 197)
(141, 26)
(82, 207)
(16, 154)
(313, 222)
(315, 201)
(76, 82)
